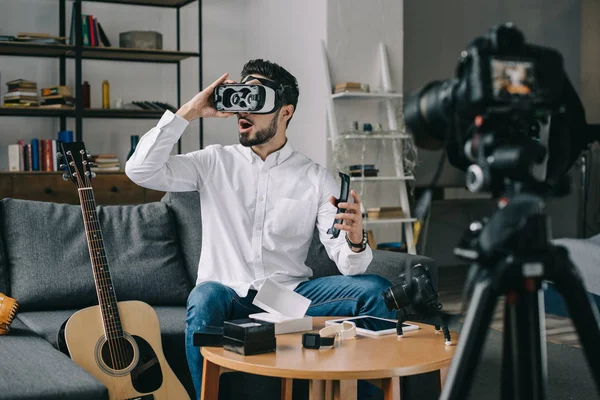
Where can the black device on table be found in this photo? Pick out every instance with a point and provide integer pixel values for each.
(344, 193)
(488, 120)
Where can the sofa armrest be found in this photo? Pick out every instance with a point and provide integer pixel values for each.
(30, 368)
(391, 264)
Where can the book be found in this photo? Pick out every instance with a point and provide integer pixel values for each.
(54, 160)
(103, 37)
(61, 90)
(14, 157)
(35, 155)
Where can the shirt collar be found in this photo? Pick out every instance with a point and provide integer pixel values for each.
(280, 155)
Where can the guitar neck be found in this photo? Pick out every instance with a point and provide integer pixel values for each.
(107, 299)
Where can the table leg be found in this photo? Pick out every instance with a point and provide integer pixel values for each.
(210, 381)
(329, 390)
(286, 388)
(443, 374)
(345, 390)
(391, 388)
(316, 389)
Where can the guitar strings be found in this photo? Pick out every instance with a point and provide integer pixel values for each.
(115, 353)
(107, 279)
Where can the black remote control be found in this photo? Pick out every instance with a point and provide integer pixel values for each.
(344, 192)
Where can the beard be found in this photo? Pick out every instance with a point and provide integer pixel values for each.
(261, 136)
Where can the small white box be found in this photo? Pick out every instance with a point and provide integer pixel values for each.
(285, 308)
(284, 324)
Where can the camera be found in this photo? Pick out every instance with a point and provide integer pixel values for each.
(416, 287)
(257, 99)
(504, 94)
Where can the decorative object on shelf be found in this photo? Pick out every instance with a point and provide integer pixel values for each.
(363, 170)
(351, 87)
(39, 38)
(65, 136)
(134, 141)
(119, 103)
(367, 128)
(86, 94)
(384, 212)
(145, 40)
(398, 247)
(105, 94)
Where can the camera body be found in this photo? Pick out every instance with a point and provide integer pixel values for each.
(511, 86)
(256, 99)
(416, 287)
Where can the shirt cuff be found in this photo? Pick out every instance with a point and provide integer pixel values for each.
(357, 262)
(173, 122)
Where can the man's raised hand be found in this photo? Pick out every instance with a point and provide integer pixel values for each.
(201, 106)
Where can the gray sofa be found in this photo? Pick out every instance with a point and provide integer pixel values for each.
(153, 251)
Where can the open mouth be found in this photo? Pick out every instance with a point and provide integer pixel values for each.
(245, 125)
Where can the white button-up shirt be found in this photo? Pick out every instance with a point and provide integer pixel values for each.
(258, 216)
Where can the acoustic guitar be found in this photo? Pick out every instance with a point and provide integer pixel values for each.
(119, 343)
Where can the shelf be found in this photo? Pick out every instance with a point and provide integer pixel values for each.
(138, 55)
(36, 112)
(381, 178)
(350, 136)
(121, 113)
(365, 95)
(155, 3)
(33, 49)
(382, 221)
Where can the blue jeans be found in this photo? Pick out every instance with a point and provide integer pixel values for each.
(212, 303)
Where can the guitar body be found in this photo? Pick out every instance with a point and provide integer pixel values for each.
(131, 367)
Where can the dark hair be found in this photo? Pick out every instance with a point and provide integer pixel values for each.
(277, 73)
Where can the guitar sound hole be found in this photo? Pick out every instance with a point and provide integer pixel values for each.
(117, 354)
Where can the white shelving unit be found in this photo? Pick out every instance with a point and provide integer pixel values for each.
(394, 134)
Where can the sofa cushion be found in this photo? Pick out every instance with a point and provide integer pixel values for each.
(172, 327)
(30, 368)
(185, 207)
(3, 268)
(49, 263)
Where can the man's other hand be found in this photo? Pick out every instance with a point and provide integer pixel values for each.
(201, 106)
(352, 218)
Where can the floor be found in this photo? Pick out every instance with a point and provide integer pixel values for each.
(559, 330)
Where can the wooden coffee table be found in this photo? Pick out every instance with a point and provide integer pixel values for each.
(333, 372)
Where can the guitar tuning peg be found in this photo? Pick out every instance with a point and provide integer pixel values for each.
(62, 166)
(59, 156)
(65, 177)
(93, 174)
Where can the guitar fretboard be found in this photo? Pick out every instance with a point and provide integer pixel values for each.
(107, 299)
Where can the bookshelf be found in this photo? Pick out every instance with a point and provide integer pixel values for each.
(78, 52)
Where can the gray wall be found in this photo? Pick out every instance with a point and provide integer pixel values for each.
(436, 31)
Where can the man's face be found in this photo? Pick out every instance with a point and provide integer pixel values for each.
(256, 129)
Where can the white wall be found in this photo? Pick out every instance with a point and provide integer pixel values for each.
(289, 32)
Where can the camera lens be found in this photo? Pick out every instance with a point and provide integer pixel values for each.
(427, 112)
(396, 297)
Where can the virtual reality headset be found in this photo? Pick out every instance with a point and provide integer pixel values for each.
(242, 97)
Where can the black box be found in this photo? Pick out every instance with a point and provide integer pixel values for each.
(208, 337)
(249, 336)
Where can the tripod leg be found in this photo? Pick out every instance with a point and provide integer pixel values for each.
(468, 351)
(581, 308)
(524, 342)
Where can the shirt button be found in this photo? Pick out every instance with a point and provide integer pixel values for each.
(261, 198)
(258, 256)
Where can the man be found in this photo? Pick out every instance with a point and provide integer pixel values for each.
(260, 203)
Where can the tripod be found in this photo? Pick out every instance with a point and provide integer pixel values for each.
(513, 257)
